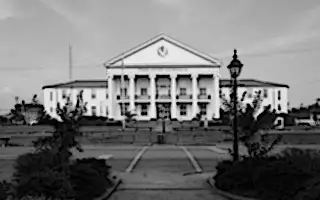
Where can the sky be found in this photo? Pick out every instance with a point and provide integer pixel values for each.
(277, 40)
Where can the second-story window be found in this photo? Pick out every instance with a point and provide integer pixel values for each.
(123, 91)
(143, 91)
(93, 94)
(64, 94)
(203, 91)
(183, 91)
(51, 96)
(249, 93)
(265, 93)
(279, 95)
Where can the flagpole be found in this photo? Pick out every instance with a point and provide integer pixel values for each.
(123, 94)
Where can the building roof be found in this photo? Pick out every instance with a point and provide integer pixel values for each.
(103, 84)
(79, 84)
(251, 83)
(167, 38)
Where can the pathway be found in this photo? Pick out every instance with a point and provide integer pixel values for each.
(157, 173)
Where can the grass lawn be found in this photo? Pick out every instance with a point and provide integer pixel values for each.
(113, 135)
(6, 169)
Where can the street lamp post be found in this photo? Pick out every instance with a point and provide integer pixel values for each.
(235, 68)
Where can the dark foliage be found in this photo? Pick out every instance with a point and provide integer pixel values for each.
(4, 189)
(93, 121)
(50, 173)
(291, 175)
(89, 178)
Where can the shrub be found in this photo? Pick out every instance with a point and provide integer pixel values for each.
(90, 178)
(4, 189)
(50, 173)
(292, 174)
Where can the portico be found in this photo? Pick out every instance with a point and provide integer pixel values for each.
(164, 73)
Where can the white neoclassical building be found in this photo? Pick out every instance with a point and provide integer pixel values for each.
(161, 76)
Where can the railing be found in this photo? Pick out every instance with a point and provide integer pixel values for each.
(184, 96)
(163, 96)
(204, 96)
(119, 97)
(144, 97)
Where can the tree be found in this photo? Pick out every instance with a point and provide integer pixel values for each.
(251, 125)
(129, 117)
(26, 113)
(46, 172)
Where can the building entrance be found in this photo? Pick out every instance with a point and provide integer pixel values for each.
(163, 111)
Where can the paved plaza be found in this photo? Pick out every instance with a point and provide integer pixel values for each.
(149, 172)
(152, 172)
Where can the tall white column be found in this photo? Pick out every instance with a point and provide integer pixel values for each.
(132, 91)
(173, 96)
(110, 96)
(152, 109)
(216, 95)
(194, 94)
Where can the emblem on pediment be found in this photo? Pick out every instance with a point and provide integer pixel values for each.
(162, 51)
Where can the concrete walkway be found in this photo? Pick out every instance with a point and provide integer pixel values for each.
(157, 185)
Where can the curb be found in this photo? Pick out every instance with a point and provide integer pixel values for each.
(111, 190)
(226, 194)
(192, 159)
(8, 157)
(218, 150)
(136, 159)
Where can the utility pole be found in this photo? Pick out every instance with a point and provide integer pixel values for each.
(71, 95)
(70, 62)
(123, 95)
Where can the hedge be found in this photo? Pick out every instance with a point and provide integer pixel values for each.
(291, 175)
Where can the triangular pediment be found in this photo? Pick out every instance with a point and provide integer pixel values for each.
(163, 50)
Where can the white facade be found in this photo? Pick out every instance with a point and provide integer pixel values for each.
(275, 96)
(161, 72)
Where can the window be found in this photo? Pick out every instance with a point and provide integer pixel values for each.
(93, 94)
(203, 109)
(279, 95)
(183, 91)
(250, 93)
(107, 111)
(93, 110)
(265, 93)
(143, 91)
(64, 94)
(123, 91)
(144, 110)
(51, 109)
(279, 107)
(107, 95)
(183, 110)
(203, 91)
(51, 96)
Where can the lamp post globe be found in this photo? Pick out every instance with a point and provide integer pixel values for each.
(235, 66)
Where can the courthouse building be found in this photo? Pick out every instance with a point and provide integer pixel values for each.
(162, 78)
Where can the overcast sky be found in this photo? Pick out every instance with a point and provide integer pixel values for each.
(277, 40)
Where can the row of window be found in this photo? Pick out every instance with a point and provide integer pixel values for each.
(123, 91)
(64, 94)
(265, 94)
(93, 110)
(183, 109)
